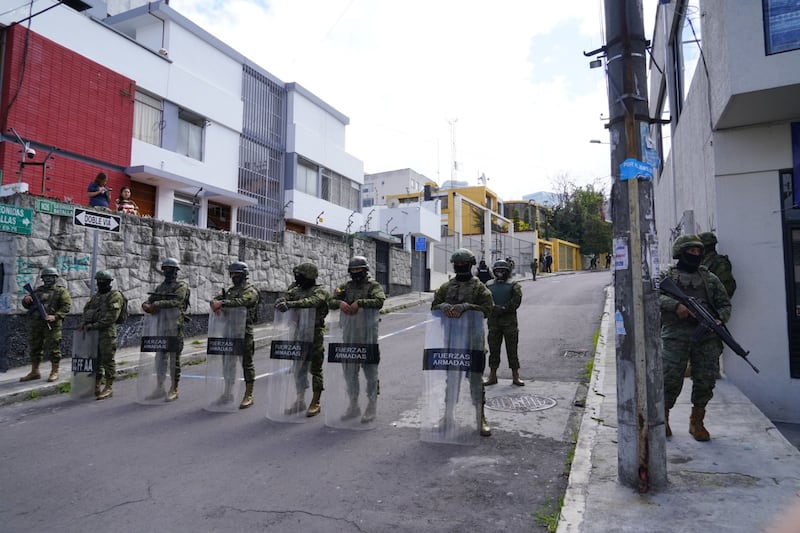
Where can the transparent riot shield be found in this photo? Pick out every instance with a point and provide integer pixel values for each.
(159, 348)
(351, 375)
(288, 375)
(224, 351)
(84, 365)
(452, 370)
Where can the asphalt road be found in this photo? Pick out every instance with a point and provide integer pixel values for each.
(116, 465)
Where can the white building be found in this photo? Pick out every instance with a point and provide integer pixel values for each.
(382, 184)
(727, 76)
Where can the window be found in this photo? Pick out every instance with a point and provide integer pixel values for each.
(306, 179)
(190, 135)
(686, 50)
(148, 119)
(781, 26)
(339, 190)
(185, 209)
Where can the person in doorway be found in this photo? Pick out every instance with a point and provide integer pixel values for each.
(507, 297)
(45, 332)
(548, 263)
(306, 293)
(98, 191)
(678, 328)
(241, 294)
(125, 204)
(171, 293)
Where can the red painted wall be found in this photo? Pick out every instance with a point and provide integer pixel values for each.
(53, 96)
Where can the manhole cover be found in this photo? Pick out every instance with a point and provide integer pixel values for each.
(520, 404)
(574, 353)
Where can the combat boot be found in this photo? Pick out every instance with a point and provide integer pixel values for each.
(515, 378)
(492, 380)
(666, 423)
(247, 400)
(53, 371)
(298, 406)
(172, 395)
(485, 430)
(97, 380)
(33, 374)
(227, 395)
(353, 410)
(314, 408)
(158, 393)
(696, 427)
(370, 411)
(107, 390)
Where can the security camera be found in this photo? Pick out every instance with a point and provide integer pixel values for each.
(30, 152)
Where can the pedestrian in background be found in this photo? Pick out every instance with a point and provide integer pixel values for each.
(125, 204)
(45, 332)
(171, 293)
(101, 313)
(507, 297)
(241, 294)
(305, 293)
(534, 268)
(678, 327)
(98, 191)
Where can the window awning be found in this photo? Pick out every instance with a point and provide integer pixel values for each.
(380, 236)
(160, 178)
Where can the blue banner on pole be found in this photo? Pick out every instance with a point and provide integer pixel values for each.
(634, 169)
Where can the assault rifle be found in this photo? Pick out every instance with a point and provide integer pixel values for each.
(39, 305)
(707, 321)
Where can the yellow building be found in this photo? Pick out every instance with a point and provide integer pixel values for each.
(566, 255)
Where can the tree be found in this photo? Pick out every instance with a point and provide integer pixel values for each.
(578, 217)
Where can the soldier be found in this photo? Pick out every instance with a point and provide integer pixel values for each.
(507, 297)
(460, 294)
(305, 293)
(57, 303)
(242, 294)
(678, 328)
(171, 293)
(719, 265)
(359, 293)
(484, 272)
(101, 313)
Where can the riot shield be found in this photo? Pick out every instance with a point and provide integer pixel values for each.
(225, 349)
(84, 365)
(352, 371)
(452, 370)
(159, 348)
(288, 369)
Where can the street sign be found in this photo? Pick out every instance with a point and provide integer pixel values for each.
(16, 219)
(96, 220)
(420, 244)
(53, 208)
(634, 169)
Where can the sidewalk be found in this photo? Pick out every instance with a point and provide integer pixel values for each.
(742, 480)
(11, 390)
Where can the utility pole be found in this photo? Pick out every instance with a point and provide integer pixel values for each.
(641, 458)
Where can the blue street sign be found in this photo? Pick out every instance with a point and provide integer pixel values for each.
(634, 169)
(419, 244)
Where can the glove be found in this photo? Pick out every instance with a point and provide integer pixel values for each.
(444, 308)
(498, 310)
(460, 308)
(281, 306)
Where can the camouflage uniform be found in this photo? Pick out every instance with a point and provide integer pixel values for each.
(171, 294)
(246, 296)
(56, 302)
(368, 294)
(313, 297)
(101, 314)
(678, 348)
(507, 297)
(467, 295)
(719, 265)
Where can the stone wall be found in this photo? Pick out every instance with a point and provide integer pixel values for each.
(134, 257)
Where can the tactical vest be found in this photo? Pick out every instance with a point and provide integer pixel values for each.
(501, 291)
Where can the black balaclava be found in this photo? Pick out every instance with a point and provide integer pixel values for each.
(302, 281)
(170, 274)
(463, 271)
(49, 281)
(689, 262)
(358, 275)
(238, 278)
(104, 285)
(501, 274)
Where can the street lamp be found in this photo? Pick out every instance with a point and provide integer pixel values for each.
(597, 141)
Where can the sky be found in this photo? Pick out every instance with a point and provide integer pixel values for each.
(504, 85)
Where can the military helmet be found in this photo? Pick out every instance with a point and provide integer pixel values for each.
(357, 261)
(48, 271)
(170, 262)
(501, 264)
(463, 255)
(103, 275)
(708, 239)
(683, 242)
(238, 266)
(307, 270)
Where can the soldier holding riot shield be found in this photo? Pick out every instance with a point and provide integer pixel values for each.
(359, 302)
(163, 335)
(461, 304)
(100, 315)
(47, 306)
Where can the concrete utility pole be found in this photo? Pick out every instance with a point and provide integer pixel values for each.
(640, 385)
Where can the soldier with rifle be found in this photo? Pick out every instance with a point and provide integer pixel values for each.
(679, 331)
(47, 306)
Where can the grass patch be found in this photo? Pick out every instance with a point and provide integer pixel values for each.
(197, 342)
(33, 395)
(587, 370)
(596, 339)
(65, 388)
(548, 515)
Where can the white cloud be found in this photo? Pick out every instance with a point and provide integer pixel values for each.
(526, 106)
